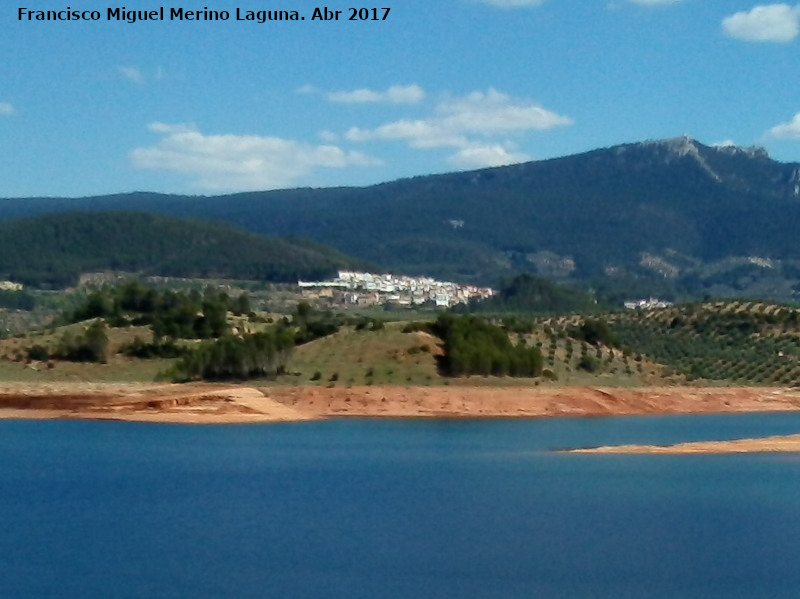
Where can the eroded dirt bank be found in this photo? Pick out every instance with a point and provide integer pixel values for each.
(224, 404)
(189, 404)
(528, 402)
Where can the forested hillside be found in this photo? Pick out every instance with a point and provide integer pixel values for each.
(53, 250)
(527, 294)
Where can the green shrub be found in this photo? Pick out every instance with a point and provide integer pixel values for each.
(589, 364)
(92, 346)
(38, 353)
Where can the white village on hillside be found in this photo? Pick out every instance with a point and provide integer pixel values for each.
(368, 289)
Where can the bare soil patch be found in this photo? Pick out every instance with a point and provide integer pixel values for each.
(530, 402)
(189, 404)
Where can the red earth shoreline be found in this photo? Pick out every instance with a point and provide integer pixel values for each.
(239, 404)
(215, 403)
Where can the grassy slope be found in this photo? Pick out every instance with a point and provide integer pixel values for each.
(713, 343)
(391, 356)
(395, 358)
(119, 368)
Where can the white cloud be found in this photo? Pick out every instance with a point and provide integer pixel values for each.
(770, 23)
(512, 3)
(328, 136)
(139, 77)
(494, 112)
(239, 162)
(132, 74)
(6, 109)
(478, 155)
(397, 94)
(790, 130)
(306, 89)
(458, 121)
(168, 129)
(420, 134)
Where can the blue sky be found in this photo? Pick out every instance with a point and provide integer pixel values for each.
(207, 107)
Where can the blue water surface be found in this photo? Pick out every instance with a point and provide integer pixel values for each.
(396, 509)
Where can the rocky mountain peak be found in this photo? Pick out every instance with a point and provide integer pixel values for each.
(749, 151)
(688, 146)
(681, 147)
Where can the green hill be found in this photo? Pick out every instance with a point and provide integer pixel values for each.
(53, 250)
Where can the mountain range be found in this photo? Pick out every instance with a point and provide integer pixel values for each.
(674, 217)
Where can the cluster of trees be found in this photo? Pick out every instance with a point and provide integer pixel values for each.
(310, 323)
(89, 346)
(173, 315)
(313, 324)
(595, 332)
(229, 357)
(259, 355)
(529, 294)
(193, 315)
(158, 348)
(473, 345)
(17, 300)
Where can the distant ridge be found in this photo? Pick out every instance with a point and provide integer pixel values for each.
(667, 214)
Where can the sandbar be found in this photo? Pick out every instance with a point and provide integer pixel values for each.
(787, 444)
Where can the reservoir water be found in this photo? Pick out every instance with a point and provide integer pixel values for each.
(396, 509)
